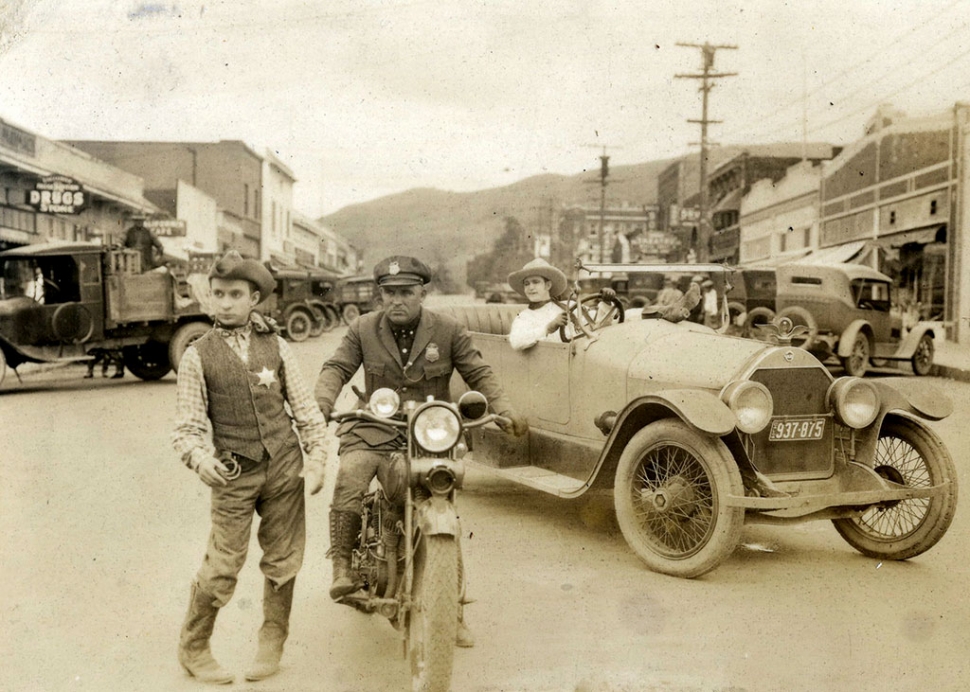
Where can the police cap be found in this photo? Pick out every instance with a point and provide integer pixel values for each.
(400, 270)
(232, 266)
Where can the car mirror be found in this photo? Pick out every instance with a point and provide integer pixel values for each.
(472, 405)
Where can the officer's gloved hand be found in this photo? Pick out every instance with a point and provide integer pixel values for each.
(512, 423)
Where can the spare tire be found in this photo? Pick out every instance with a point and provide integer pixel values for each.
(801, 317)
(72, 323)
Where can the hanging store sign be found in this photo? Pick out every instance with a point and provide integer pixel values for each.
(166, 228)
(58, 194)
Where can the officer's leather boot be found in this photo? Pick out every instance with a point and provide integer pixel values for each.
(194, 653)
(344, 529)
(277, 604)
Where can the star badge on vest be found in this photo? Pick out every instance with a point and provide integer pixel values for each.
(266, 377)
(431, 354)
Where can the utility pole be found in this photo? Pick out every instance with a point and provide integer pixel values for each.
(604, 174)
(707, 83)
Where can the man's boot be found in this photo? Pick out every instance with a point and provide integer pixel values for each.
(194, 653)
(463, 636)
(344, 529)
(277, 604)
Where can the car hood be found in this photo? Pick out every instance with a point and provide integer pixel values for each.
(663, 354)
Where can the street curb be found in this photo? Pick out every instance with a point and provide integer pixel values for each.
(950, 372)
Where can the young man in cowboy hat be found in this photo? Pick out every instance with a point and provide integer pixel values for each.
(540, 283)
(236, 381)
(413, 351)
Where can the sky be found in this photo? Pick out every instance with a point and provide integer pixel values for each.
(365, 98)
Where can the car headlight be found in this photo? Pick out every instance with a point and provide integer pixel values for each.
(384, 402)
(855, 402)
(751, 404)
(436, 428)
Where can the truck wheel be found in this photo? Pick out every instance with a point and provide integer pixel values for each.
(148, 361)
(923, 357)
(910, 454)
(754, 319)
(670, 493)
(298, 325)
(802, 317)
(333, 312)
(185, 336)
(320, 321)
(351, 312)
(855, 363)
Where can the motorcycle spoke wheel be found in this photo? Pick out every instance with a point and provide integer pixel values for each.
(433, 618)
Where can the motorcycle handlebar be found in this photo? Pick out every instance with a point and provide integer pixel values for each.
(364, 414)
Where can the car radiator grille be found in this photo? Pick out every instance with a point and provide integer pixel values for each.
(796, 392)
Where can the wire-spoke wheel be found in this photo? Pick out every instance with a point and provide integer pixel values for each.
(923, 357)
(909, 454)
(857, 362)
(671, 497)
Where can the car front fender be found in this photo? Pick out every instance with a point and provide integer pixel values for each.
(847, 340)
(912, 397)
(698, 408)
(437, 516)
(907, 347)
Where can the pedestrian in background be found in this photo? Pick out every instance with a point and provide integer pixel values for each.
(140, 238)
(239, 379)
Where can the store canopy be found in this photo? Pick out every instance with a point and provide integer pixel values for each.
(834, 255)
(923, 236)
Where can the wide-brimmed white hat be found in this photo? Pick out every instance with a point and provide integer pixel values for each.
(539, 267)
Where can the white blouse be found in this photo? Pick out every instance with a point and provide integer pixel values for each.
(529, 326)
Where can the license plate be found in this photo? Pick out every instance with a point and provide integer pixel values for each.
(796, 429)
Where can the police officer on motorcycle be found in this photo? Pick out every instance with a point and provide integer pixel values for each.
(412, 350)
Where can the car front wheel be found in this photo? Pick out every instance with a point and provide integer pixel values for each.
(670, 495)
(909, 454)
(923, 357)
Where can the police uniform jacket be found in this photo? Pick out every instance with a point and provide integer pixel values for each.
(441, 345)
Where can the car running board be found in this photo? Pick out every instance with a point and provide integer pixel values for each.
(540, 479)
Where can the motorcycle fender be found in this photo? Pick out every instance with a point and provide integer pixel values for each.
(437, 516)
(907, 347)
(700, 409)
(847, 340)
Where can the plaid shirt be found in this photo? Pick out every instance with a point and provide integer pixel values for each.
(192, 438)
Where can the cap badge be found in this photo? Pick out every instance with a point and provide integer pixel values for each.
(394, 268)
(431, 354)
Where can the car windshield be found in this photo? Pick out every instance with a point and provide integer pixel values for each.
(871, 295)
(20, 277)
(49, 280)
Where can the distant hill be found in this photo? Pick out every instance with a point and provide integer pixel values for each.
(451, 227)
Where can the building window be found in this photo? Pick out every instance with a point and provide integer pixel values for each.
(932, 207)
(257, 207)
(245, 199)
(273, 216)
(892, 217)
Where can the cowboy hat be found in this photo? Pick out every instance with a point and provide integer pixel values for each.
(232, 266)
(539, 267)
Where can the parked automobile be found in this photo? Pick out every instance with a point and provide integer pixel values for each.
(355, 295)
(633, 289)
(66, 301)
(503, 293)
(698, 433)
(321, 300)
(846, 310)
(751, 299)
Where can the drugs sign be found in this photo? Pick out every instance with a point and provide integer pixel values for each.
(58, 194)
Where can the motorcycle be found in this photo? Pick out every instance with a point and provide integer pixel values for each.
(420, 585)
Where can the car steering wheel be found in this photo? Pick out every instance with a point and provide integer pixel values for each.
(587, 313)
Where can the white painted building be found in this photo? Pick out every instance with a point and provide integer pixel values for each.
(277, 210)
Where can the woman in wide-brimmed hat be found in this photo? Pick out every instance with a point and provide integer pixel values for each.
(539, 282)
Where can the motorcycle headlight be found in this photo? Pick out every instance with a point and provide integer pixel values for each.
(384, 402)
(751, 404)
(436, 429)
(855, 402)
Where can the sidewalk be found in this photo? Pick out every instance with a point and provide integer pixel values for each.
(951, 360)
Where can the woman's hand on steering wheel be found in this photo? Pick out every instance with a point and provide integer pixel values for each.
(587, 314)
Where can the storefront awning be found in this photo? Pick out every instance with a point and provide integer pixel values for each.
(834, 255)
(923, 236)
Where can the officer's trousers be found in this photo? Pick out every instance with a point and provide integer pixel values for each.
(274, 491)
(357, 470)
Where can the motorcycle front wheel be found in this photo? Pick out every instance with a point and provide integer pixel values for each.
(433, 619)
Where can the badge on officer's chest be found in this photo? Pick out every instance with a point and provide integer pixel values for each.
(393, 268)
(431, 354)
